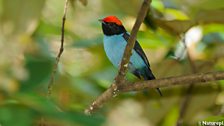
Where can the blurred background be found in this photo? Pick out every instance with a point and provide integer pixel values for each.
(179, 37)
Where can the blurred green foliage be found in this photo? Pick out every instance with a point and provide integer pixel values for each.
(30, 39)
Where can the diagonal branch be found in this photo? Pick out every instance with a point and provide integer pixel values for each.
(120, 78)
(60, 51)
(158, 83)
(131, 42)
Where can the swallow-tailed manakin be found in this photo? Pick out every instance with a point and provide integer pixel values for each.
(115, 41)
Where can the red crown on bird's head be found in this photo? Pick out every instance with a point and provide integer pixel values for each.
(112, 19)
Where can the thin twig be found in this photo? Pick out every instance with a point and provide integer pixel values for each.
(60, 50)
(120, 78)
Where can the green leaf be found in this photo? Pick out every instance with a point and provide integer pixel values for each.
(39, 70)
(30, 107)
(16, 115)
(171, 117)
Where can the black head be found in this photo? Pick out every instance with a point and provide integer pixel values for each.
(111, 25)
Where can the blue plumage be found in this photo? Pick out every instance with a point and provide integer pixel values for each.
(114, 47)
(115, 41)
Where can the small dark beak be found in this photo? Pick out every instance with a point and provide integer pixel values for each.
(101, 20)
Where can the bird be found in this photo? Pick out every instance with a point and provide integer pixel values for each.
(115, 40)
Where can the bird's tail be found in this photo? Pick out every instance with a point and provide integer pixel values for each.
(150, 76)
(160, 93)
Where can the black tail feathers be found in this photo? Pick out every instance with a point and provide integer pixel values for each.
(147, 74)
(150, 76)
(160, 93)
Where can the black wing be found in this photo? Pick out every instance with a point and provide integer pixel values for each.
(138, 49)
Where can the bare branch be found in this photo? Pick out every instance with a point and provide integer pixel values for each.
(158, 83)
(102, 99)
(171, 81)
(131, 42)
(60, 50)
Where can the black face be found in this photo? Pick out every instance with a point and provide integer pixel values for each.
(112, 28)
